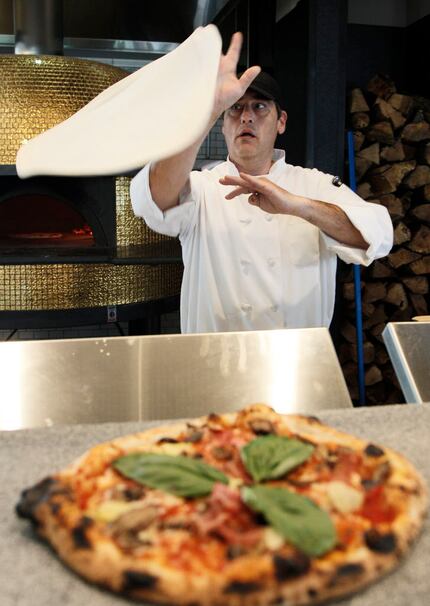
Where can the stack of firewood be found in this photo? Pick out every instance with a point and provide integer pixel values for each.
(392, 147)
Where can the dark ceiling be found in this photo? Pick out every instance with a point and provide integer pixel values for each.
(165, 21)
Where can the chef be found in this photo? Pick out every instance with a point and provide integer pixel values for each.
(260, 238)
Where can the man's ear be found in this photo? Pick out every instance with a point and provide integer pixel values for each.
(282, 121)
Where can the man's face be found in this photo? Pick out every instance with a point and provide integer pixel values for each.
(250, 128)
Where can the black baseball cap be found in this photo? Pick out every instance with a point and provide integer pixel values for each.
(264, 84)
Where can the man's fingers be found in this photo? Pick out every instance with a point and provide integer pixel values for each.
(237, 192)
(249, 76)
(233, 181)
(233, 52)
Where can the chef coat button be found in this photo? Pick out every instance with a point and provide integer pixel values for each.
(274, 308)
(245, 266)
(337, 181)
(245, 221)
(269, 217)
(271, 262)
(246, 307)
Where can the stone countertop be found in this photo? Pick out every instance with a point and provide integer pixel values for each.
(30, 574)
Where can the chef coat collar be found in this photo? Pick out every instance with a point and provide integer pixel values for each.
(278, 159)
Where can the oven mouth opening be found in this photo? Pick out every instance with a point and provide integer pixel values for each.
(42, 220)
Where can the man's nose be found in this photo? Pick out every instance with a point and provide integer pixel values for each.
(247, 114)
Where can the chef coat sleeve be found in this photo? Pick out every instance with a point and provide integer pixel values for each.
(176, 221)
(372, 221)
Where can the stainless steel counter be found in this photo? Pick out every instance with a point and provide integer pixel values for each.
(47, 383)
(408, 344)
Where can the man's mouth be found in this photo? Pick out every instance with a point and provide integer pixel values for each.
(246, 135)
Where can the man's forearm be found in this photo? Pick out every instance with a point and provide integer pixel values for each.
(332, 220)
(168, 177)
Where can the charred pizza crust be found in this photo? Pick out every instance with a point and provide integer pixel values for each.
(144, 554)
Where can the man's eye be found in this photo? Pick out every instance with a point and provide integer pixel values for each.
(260, 106)
(235, 108)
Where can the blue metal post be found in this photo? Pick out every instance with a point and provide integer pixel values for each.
(357, 286)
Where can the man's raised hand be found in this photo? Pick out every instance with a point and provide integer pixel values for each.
(230, 88)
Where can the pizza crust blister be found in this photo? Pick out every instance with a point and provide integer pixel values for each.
(342, 515)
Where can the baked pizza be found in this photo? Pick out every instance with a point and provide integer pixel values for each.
(245, 508)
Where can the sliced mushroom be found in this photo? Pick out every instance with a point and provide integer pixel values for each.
(135, 519)
(194, 436)
(126, 528)
(261, 426)
(222, 453)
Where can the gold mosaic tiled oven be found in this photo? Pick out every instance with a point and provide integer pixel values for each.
(72, 243)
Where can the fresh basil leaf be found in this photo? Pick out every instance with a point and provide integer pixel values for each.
(271, 457)
(179, 475)
(295, 517)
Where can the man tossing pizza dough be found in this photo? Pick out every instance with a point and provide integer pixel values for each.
(260, 237)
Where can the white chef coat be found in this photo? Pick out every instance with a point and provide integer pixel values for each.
(245, 269)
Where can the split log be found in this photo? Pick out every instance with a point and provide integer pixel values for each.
(403, 257)
(376, 331)
(396, 295)
(349, 291)
(421, 266)
(385, 111)
(368, 309)
(386, 179)
(357, 101)
(422, 212)
(371, 154)
(402, 234)
(426, 193)
(348, 331)
(372, 375)
(418, 285)
(379, 317)
(393, 205)
(361, 167)
(374, 291)
(380, 270)
(425, 154)
(368, 353)
(416, 132)
(420, 305)
(381, 132)
(393, 153)
(419, 177)
(381, 357)
(421, 241)
(382, 86)
(360, 120)
(401, 103)
(359, 138)
(364, 191)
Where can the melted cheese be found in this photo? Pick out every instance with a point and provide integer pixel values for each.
(343, 497)
(272, 540)
(173, 449)
(108, 511)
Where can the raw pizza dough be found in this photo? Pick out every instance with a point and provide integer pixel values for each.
(152, 114)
